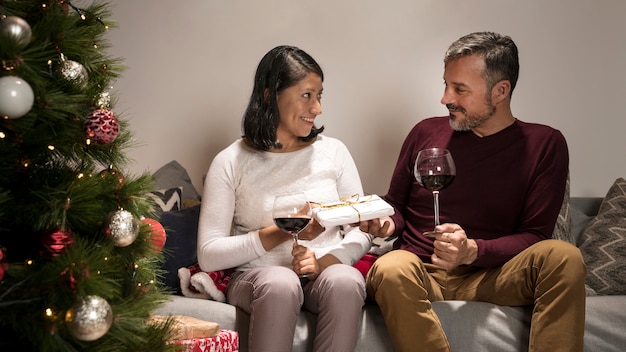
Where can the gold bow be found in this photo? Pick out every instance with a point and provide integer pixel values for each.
(347, 201)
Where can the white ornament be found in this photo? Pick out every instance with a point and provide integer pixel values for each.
(16, 97)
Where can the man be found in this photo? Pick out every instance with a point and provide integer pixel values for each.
(497, 215)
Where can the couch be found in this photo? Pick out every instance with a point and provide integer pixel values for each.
(470, 326)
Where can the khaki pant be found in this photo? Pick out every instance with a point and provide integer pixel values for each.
(550, 274)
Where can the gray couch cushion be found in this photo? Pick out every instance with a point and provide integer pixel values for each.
(481, 326)
(604, 324)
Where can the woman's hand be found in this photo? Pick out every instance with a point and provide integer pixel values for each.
(304, 261)
(312, 230)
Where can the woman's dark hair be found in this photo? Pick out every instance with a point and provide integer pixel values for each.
(281, 68)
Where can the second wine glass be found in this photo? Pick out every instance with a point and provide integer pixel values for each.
(434, 170)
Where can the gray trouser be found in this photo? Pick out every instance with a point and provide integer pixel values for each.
(273, 296)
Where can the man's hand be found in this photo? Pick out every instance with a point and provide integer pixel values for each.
(453, 247)
(381, 227)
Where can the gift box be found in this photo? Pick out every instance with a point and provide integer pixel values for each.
(225, 341)
(352, 210)
(184, 327)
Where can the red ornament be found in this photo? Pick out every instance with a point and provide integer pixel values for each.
(4, 263)
(55, 243)
(158, 235)
(101, 126)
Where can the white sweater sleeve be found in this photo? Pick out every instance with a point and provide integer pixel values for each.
(215, 245)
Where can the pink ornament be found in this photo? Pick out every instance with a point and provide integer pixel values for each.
(101, 126)
(4, 264)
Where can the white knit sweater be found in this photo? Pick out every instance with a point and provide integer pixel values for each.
(237, 202)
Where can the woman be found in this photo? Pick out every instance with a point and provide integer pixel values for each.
(282, 151)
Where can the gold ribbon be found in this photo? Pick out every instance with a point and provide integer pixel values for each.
(346, 202)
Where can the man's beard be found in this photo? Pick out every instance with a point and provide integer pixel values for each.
(471, 120)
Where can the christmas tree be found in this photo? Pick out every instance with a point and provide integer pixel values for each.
(79, 246)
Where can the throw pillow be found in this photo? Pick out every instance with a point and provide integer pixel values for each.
(180, 249)
(167, 199)
(563, 226)
(173, 175)
(603, 244)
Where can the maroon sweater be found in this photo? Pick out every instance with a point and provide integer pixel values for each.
(506, 195)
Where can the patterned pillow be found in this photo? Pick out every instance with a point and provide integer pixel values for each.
(174, 174)
(167, 199)
(563, 227)
(603, 244)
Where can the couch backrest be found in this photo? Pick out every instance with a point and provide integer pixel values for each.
(588, 205)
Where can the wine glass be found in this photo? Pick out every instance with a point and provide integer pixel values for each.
(292, 213)
(434, 170)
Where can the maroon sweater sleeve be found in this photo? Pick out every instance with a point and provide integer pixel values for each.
(506, 195)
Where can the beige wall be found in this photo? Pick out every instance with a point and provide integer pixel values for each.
(190, 68)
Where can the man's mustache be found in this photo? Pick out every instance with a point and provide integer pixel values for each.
(452, 107)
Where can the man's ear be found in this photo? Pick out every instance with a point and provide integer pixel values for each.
(501, 91)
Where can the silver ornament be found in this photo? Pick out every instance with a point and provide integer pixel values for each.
(103, 100)
(73, 72)
(89, 318)
(17, 30)
(122, 228)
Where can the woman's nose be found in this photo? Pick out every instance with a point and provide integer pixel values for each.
(316, 108)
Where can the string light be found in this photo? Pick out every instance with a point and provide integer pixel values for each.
(2, 135)
(7, 66)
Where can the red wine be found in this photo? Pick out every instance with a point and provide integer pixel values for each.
(435, 182)
(293, 225)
